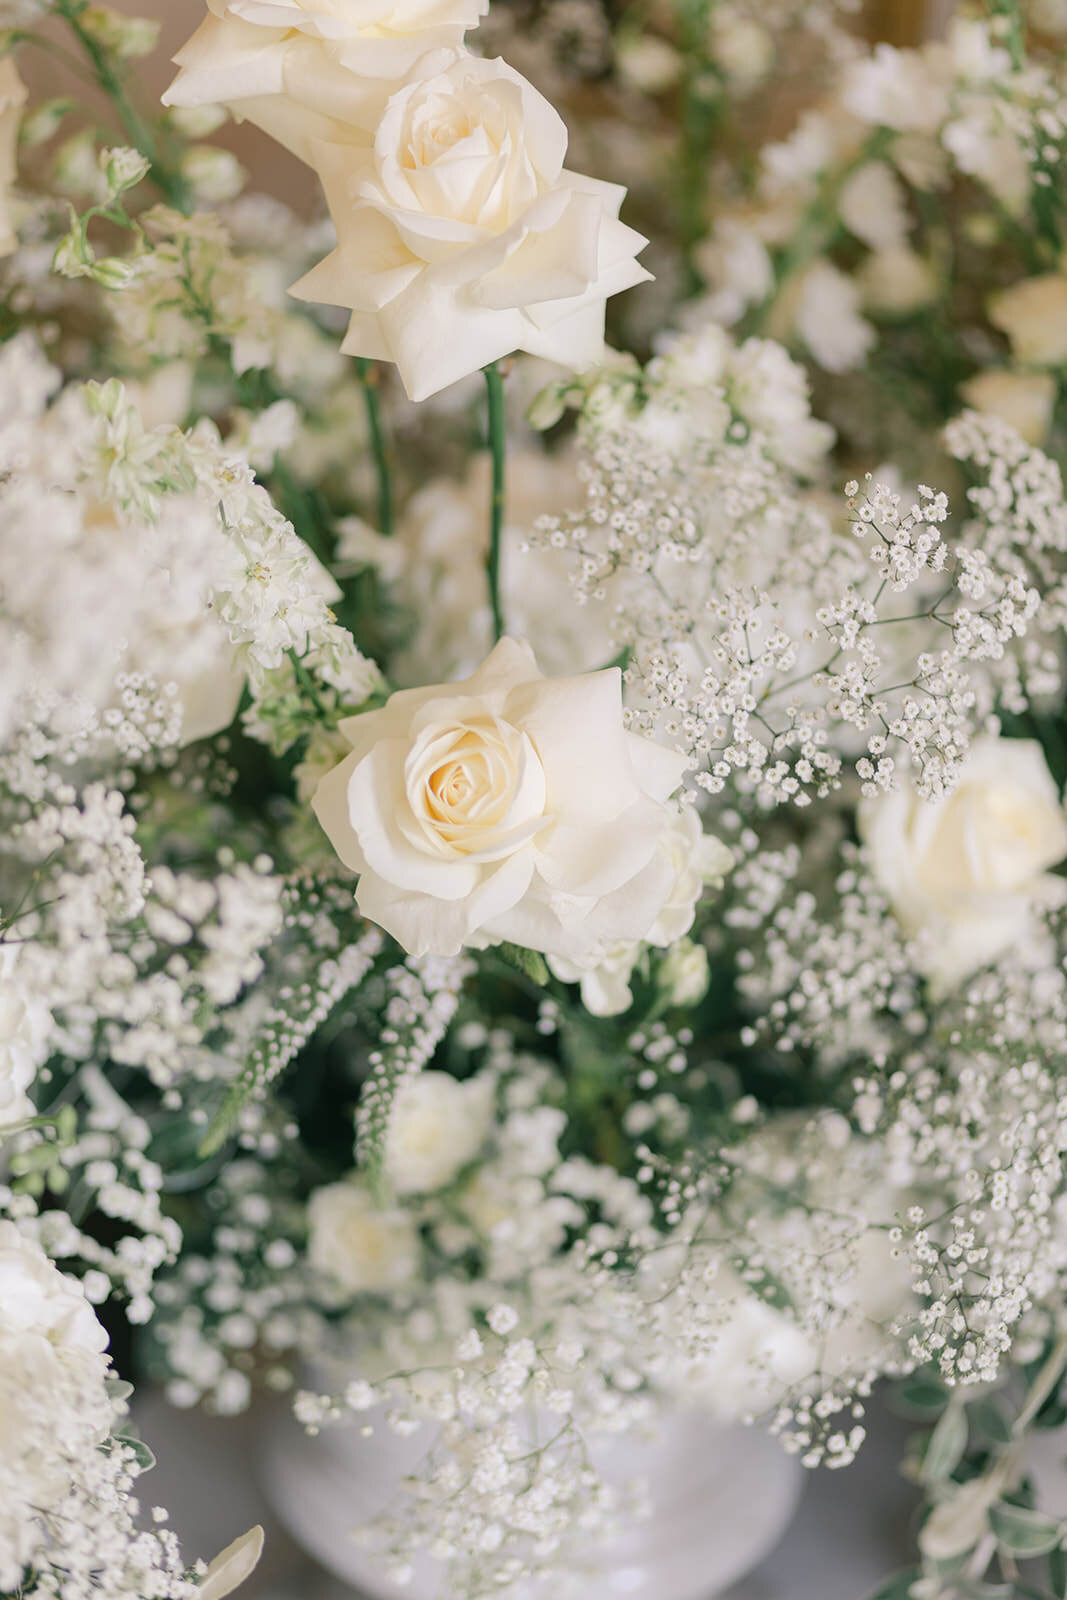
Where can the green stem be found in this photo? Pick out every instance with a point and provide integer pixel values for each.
(307, 683)
(368, 377)
(137, 129)
(498, 432)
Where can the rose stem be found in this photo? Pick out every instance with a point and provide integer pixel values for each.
(368, 377)
(494, 383)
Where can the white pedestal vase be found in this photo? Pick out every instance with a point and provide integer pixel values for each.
(722, 1496)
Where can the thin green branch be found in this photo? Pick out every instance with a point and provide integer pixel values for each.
(498, 431)
(137, 129)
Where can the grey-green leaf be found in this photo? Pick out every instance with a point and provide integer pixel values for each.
(1022, 1532)
(947, 1444)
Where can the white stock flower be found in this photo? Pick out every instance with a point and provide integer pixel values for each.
(12, 100)
(907, 90)
(1024, 400)
(873, 206)
(823, 305)
(364, 1249)
(896, 282)
(25, 1026)
(1033, 314)
(509, 806)
(304, 70)
(462, 238)
(436, 1126)
(965, 871)
(737, 268)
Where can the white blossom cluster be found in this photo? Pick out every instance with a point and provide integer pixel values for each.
(765, 1103)
(68, 1520)
(770, 645)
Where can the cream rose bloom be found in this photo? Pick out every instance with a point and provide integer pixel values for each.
(1033, 314)
(462, 238)
(12, 100)
(436, 1126)
(304, 70)
(1022, 399)
(964, 872)
(364, 1249)
(508, 806)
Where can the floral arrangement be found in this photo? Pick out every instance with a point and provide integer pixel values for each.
(531, 869)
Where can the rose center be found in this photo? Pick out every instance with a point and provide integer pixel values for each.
(435, 137)
(473, 788)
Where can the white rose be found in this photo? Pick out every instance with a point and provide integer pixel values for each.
(1024, 400)
(1033, 314)
(36, 1298)
(25, 1026)
(509, 806)
(304, 70)
(12, 100)
(603, 978)
(54, 1405)
(461, 236)
(363, 1248)
(436, 1126)
(965, 871)
(695, 859)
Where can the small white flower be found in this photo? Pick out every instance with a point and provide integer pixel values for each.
(503, 1319)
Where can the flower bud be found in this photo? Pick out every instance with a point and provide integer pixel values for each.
(123, 168)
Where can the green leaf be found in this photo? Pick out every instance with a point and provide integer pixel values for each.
(144, 1457)
(945, 1449)
(1022, 1532)
(989, 1422)
(898, 1587)
(529, 962)
(921, 1396)
(1057, 1572)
